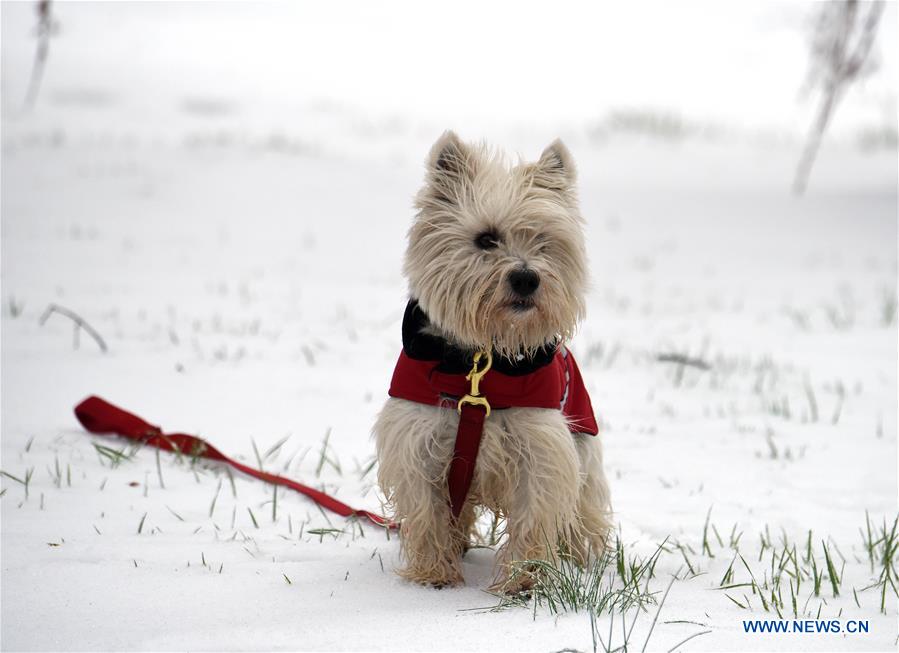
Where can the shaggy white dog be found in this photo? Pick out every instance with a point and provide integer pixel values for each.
(496, 263)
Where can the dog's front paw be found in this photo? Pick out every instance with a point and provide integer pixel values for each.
(437, 580)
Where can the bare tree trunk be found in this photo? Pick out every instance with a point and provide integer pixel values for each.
(44, 29)
(835, 65)
(813, 142)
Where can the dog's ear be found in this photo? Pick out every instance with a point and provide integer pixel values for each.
(555, 168)
(450, 164)
(449, 155)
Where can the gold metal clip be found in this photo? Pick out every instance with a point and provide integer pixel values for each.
(474, 396)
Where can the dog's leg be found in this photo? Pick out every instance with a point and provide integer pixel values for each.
(431, 546)
(463, 528)
(594, 509)
(414, 445)
(543, 506)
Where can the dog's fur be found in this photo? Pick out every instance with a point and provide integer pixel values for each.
(548, 483)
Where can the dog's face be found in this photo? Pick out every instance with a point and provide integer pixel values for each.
(496, 254)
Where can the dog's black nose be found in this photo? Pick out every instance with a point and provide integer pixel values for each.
(524, 282)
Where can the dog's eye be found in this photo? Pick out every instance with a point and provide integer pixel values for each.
(487, 240)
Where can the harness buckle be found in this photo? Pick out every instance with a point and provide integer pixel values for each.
(475, 375)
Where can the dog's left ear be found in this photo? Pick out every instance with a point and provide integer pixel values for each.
(555, 168)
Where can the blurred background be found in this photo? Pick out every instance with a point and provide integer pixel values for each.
(221, 191)
(345, 77)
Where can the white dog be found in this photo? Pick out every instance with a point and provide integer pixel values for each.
(497, 273)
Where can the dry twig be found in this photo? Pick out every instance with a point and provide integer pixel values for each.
(80, 323)
(682, 359)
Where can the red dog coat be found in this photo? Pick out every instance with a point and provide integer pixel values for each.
(557, 385)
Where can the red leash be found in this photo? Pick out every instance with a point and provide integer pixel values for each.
(102, 418)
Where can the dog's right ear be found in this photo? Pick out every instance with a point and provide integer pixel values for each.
(449, 155)
(450, 164)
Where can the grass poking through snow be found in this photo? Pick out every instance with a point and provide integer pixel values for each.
(615, 582)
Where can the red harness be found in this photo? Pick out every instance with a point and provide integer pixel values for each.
(558, 386)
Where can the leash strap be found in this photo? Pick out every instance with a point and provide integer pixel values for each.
(465, 454)
(102, 418)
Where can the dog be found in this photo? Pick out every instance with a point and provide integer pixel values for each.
(496, 264)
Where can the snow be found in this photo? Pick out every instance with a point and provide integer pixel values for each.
(237, 242)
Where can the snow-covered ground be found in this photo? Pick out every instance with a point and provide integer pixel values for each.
(241, 258)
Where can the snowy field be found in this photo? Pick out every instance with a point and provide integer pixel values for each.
(237, 243)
